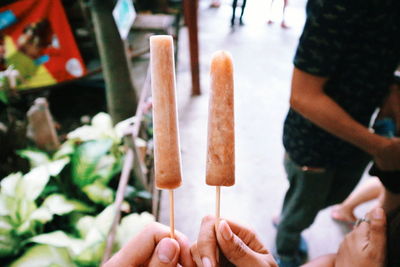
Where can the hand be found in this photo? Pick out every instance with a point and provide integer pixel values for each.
(366, 244)
(391, 106)
(387, 157)
(153, 247)
(238, 244)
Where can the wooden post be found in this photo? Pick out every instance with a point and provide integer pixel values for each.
(41, 126)
(190, 11)
(120, 93)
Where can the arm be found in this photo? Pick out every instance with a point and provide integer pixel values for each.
(309, 99)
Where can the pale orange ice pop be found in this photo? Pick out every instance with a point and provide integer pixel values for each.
(167, 159)
(220, 170)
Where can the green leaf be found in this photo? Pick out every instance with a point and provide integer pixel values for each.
(85, 160)
(43, 255)
(9, 245)
(60, 239)
(91, 255)
(104, 220)
(33, 183)
(66, 150)
(103, 122)
(58, 204)
(42, 215)
(23, 222)
(5, 225)
(106, 168)
(35, 157)
(95, 237)
(99, 193)
(55, 167)
(131, 225)
(84, 225)
(10, 184)
(25, 208)
(3, 96)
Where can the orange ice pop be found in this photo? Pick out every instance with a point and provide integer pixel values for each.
(167, 160)
(220, 170)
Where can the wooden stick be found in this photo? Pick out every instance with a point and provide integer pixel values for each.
(217, 214)
(218, 203)
(171, 213)
(125, 174)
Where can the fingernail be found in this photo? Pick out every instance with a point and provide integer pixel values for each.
(166, 250)
(225, 230)
(206, 262)
(378, 214)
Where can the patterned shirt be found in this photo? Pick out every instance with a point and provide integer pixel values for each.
(356, 45)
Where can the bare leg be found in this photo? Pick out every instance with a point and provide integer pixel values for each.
(371, 189)
(270, 12)
(234, 5)
(241, 14)
(283, 24)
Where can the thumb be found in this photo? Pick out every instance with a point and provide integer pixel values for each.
(234, 249)
(377, 234)
(165, 254)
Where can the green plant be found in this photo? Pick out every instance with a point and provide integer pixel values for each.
(48, 213)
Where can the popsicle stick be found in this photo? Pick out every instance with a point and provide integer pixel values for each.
(218, 203)
(171, 213)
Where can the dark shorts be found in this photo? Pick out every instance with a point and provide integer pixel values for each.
(390, 180)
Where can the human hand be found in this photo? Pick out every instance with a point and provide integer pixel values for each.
(387, 156)
(153, 247)
(239, 244)
(366, 244)
(391, 106)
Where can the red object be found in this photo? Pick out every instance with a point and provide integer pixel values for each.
(58, 50)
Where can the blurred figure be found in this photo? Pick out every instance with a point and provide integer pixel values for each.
(339, 80)
(234, 6)
(283, 23)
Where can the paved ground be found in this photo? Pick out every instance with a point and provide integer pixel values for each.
(262, 55)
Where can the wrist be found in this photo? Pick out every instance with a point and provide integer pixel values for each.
(377, 144)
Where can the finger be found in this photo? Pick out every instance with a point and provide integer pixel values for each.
(166, 254)
(195, 254)
(185, 257)
(248, 237)
(207, 242)
(234, 249)
(377, 234)
(140, 248)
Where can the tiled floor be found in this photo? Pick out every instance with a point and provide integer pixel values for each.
(263, 63)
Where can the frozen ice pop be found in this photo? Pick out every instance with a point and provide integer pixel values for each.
(220, 170)
(167, 160)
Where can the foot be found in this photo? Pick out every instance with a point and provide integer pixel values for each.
(284, 25)
(270, 22)
(340, 214)
(241, 22)
(215, 4)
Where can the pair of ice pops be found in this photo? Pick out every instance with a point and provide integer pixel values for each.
(220, 170)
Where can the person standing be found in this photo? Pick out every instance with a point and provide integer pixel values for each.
(343, 69)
